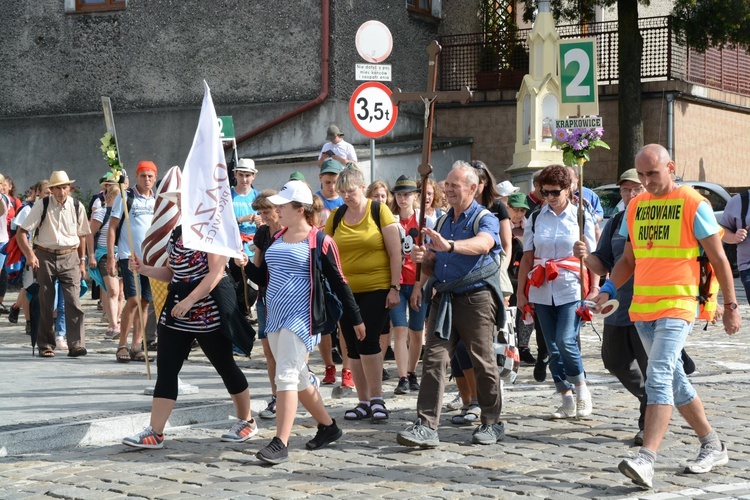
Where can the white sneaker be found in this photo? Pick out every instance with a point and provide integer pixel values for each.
(456, 403)
(563, 412)
(708, 458)
(639, 470)
(584, 406)
(61, 343)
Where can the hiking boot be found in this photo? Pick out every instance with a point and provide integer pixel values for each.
(584, 406)
(563, 412)
(274, 453)
(413, 384)
(540, 370)
(402, 387)
(708, 458)
(347, 379)
(418, 435)
(386, 375)
(326, 435)
(526, 357)
(146, 439)
(330, 377)
(488, 434)
(241, 431)
(639, 470)
(13, 314)
(638, 439)
(270, 411)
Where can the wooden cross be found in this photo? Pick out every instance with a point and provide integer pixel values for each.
(429, 98)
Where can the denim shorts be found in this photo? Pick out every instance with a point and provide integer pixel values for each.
(128, 282)
(663, 340)
(416, 318)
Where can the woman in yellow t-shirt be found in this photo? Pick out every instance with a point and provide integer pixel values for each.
(370, 253)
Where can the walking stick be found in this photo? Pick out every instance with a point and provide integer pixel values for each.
(581, 161)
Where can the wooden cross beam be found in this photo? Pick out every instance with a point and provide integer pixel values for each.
(429, 98)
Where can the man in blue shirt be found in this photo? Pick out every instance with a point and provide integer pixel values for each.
(464, 267)
(243, 195)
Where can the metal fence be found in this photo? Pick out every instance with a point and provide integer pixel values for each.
(483, 62)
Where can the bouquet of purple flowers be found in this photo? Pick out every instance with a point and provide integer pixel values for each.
(577, 143)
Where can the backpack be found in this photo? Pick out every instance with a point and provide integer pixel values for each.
(107, 213)
(731, 248)
(45, 206)
(339, 214)
(98, 196)
(333, 307)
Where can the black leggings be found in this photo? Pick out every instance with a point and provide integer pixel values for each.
(174, 347)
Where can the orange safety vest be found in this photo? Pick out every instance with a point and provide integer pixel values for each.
(667, 271)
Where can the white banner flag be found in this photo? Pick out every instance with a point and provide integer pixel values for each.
(208, 221)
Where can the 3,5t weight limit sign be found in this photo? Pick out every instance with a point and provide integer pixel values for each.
(371, 110)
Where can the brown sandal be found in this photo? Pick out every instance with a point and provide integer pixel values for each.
(123, 354)
(47, 353)
(137, 355)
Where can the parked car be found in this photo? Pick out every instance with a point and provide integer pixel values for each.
(609, 195)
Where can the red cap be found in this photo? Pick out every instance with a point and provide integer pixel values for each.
(145, 166)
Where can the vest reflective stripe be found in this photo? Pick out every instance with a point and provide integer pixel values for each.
(667, 253)
(669, 290)
(665, 304)
(667, 271)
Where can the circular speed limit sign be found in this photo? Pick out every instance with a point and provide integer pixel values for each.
(371, 110)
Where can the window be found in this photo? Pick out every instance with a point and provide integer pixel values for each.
(423, 6)
(99, 5)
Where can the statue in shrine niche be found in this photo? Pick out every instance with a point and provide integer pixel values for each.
(547, 131)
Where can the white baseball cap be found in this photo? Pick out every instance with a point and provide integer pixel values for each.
(293, 191)
(506, 188)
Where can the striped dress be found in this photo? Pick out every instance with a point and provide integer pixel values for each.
(188, 266)
(289, 290)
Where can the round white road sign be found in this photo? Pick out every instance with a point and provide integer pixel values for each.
(374, 41)
(371, 110)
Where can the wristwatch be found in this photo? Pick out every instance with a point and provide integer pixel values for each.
(396, 287)
(453, 246)
(731, 306)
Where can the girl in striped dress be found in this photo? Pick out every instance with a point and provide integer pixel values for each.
(190, 312)
(295, 313)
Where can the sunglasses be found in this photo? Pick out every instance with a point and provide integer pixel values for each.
(554, 192)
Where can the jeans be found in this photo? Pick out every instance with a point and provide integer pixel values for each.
(260, 308)
(560, 325)
(663, 340)
(745, 277)
(416, 318)
(60, 319)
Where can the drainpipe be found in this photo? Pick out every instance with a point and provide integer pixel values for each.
(324, 86)
(670, 124)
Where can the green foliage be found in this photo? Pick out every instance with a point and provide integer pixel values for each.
(713, 23)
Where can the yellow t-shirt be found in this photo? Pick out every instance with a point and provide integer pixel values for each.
(364, 259)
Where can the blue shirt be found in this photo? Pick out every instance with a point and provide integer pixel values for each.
(243, 205)
(594, 204)
(452, 266)
(141, 217)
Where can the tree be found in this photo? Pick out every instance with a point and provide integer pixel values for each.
(699, 23)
